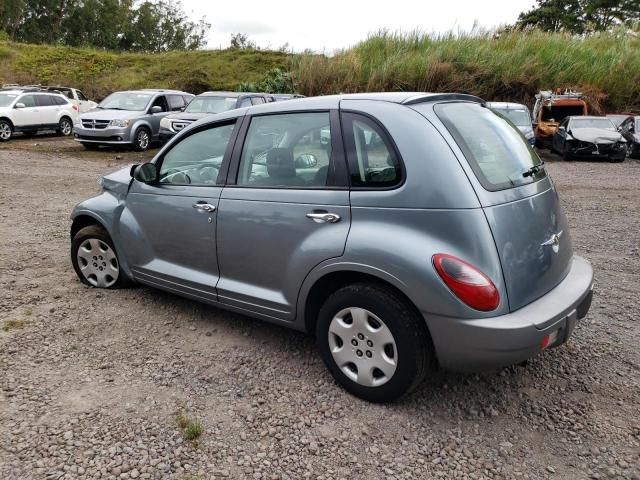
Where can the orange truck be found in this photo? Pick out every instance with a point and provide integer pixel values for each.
(551, 108)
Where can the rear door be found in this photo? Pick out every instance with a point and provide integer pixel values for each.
(169, 227)
(48, 109)
(519, 200)
(285, 209)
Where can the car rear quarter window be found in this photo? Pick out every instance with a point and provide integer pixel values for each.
(176, 102)
(495, 149)
(60, 100)
(373, 162)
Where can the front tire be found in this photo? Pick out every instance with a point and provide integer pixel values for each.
(142, 139)
(95, 260)
(6, 131)
(65, 127)
(375, 344)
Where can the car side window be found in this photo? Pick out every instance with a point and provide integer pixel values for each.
(373, 162)
(60, 100)
(246, 102)
(160, 102)
(257, 100)
(286, 150)
(44, 101)
(27, 100)
(81, 96)
(197, 158)
(176, 102)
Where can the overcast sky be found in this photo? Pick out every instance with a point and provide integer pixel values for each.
(326, 25)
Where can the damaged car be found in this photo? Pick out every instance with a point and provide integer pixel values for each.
(589, 137)
(550, 109)
(630, 130)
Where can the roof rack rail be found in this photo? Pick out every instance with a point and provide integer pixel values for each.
(437, 97)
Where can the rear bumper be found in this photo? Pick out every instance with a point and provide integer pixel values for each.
(487, 343)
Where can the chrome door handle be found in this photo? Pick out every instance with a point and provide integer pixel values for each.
(324, 217)
(204, 207)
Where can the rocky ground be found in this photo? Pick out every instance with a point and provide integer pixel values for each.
(143, 384)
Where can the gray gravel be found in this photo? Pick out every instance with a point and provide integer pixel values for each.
(92, 382)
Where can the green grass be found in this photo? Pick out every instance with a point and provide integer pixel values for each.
(98, 73)
(14, 325)
(510, 66)
(191, 429)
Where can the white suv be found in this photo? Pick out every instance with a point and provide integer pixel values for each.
(27, 111)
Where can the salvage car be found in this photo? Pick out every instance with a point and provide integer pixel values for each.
(209, 103)
(630, 130)
(75, 96)
(426, 232)
(518, 114)
(550, 109)
(128, 118)
(589, 137)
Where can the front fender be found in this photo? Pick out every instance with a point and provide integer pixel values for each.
(106, 210)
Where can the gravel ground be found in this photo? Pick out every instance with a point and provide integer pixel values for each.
(114, 384)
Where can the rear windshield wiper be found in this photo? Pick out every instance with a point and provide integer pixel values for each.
(534, 170)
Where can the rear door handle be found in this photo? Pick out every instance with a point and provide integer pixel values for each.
(324, 217)
(204, 207)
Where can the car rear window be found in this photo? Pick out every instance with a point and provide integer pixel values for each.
(496, 150)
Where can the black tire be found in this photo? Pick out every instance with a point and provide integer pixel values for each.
(415, 355)
(98, 233)
(91, 146)
(6, 130)
(65, 127)
(139, 144)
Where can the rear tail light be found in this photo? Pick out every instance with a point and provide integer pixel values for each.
(467, 282)
(74, 107)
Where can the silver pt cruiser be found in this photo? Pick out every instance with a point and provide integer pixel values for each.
(405, 230)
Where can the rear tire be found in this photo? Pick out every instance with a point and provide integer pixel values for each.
(363, 326)
(6, 131)
(142, 139)
(65, 127)
(95, 259)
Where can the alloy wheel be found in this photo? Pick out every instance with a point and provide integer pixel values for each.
(98, 263)
(143, 139)
(5, 131)
(363, 347)
(65, 127)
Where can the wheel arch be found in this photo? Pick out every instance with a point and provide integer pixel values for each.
(82, 221)
(7, 119)
(328, 280)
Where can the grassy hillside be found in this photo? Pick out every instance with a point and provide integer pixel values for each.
(98, 72)
(511, 66)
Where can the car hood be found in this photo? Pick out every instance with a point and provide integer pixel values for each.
(118, 181)
(596, 135)
(99, 114)
(189, 117)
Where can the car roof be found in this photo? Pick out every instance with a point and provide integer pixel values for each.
(223, 93)
(507, 105)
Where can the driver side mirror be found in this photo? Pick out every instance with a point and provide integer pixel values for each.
(156, 109)
(306, 160)
(145, 173)
(19, 105)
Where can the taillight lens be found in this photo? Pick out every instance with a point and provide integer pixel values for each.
(467, 282)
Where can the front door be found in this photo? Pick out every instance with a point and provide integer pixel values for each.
(286, 211)
(29, 115)
(169, 227)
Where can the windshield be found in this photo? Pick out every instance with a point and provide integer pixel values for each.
(519, 118)
(126, 101)
(558, 113)
(7, 99)
(603, 123)
(211, 104)
(496, 151)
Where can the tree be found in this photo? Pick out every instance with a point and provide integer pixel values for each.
(242, 42)
(579, 16)
(148, 25)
